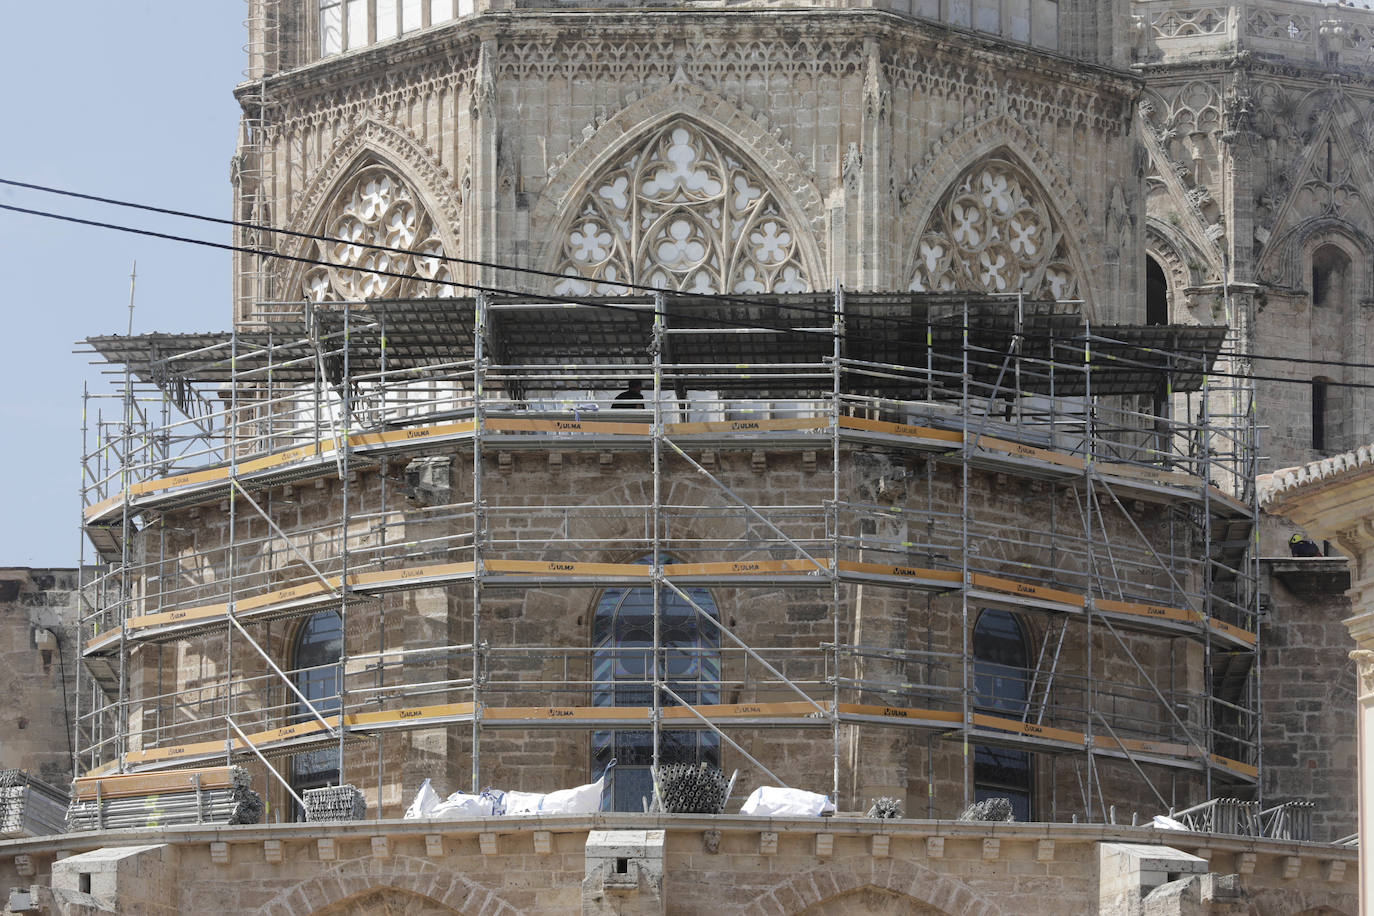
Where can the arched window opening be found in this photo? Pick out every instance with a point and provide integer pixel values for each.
(1330, 277)
(1001, 684)
(1156, 293)
(1321, 409)
(318, 675)
(622, 675)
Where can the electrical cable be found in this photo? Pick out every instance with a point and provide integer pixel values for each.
(602, 303)
(545, 274)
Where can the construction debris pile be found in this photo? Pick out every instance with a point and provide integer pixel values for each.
(885, 808)
(995, 810)
(29, 806)
(334, 803)
(684, 788)
(215, 795)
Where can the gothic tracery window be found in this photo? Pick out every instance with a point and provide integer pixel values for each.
(992, 232)
(680, 212)
(377, 208)
(623, 675)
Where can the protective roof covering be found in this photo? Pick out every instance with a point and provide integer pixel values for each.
(763, 333)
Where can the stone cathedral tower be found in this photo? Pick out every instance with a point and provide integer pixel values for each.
(1155, 161)
(931, 145)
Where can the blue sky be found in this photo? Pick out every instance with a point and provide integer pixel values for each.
(130, 100)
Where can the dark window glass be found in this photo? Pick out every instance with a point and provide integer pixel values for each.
(1156, 293)
(1319, 412)
(622, 672)
(317, 674)
(1001, 683)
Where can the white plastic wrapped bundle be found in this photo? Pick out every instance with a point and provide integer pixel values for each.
(775, 801)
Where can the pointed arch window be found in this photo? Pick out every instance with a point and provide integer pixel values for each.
(622, 675)
(376, 207)
(1001, 684)
(680, 211)
(993, 232)
(318, 675)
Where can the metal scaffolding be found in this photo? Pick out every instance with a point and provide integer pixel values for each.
(1136, 452)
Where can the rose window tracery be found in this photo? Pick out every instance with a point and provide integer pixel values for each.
(680, 212)
(377, 208)
(993, 233)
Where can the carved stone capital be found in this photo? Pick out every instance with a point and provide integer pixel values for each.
(1364, 662)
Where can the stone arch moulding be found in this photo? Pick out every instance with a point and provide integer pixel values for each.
(723, 126)
(1002, 137)
(1188, 264)
(904, 877)
(1285, 260)
(370, 142)
(418, 877)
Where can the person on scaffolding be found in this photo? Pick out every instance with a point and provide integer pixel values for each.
(631, 397)
(1300, 546)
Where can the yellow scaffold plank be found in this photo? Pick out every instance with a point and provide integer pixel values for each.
(949, 436)
(399, 578)
(605, 427)
(411, 434)
(95, 510)
(899, 713)
(747, 426)
(558, 568)
(88, 788)
(1138, 746)
(950, 576)
(419, 714)
(1235, 766)
(156, 485)
(1147, 611)
(295, 455)
(1223, 628)
(1018, 450)
(1025, 590)
(1149, 475)
(1029, 729)
(740, 568)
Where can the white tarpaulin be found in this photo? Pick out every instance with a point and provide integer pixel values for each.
(578, 800)
(775, 801)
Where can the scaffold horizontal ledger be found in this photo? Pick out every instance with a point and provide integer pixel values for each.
(228, 483)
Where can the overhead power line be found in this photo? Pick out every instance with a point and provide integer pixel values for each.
(557, 299)
(828, 314)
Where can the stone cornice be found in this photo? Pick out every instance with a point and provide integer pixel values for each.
(1329, 498)
(441, 50)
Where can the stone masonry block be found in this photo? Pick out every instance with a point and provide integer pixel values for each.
(768, 844)
(825, 844)
(381, 847)
(543, 842)
(219, 853)
(1245, 863)
(880, 846)
(992, 848)
(1044, 851)
(324, 848)
(935, 847)
(487, 842)
(271, 851)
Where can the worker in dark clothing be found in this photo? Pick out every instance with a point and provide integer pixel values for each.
(1300, 546)
(632, 396)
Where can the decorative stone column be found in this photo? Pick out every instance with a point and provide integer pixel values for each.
(1333, 500)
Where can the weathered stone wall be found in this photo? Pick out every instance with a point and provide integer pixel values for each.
(592, 507)
(1310, 748)
(849, 122)
(709, 865)
(39, 609)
